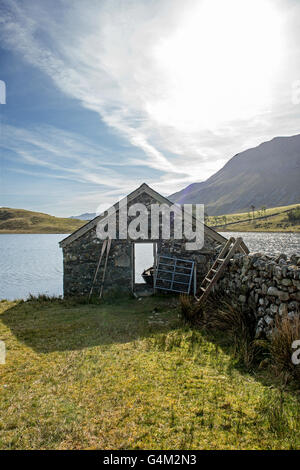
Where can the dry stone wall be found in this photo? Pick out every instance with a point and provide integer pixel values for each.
(268, 286)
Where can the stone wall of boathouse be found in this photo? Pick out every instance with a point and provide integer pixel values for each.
(82, 255)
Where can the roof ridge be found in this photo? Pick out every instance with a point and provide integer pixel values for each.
(142, 188)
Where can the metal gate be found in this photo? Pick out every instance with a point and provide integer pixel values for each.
(173, 274)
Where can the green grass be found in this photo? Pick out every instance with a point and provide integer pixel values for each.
(276, 220)
(130, 374)
(22, 221)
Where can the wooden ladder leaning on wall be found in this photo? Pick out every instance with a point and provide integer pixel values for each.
(105, 247)
(231, 246)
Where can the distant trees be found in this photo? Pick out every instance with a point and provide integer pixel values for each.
(294, 215)
(260, 212)
(5, 215)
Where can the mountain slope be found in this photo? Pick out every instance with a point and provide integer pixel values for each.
(275, 219)
(86, 216)
(22, 221)
(265, 175)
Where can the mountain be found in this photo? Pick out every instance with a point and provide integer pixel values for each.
(86, 216)
(267, 175)
(23, 221)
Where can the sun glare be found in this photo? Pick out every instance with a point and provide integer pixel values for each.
(219, 65)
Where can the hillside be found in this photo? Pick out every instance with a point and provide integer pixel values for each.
(23, 221)
(276, 219)
(267, 175)
(86, 216)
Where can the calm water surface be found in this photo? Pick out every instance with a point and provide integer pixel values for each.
(32, 264)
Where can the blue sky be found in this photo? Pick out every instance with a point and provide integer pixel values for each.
(104, 95)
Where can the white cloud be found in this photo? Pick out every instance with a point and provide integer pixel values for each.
(67, 155)
(133, 63)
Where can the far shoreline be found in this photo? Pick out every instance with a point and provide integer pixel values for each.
(259, 231)
(12, 232)
(33, 233)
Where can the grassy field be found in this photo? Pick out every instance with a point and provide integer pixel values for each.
(22, 221)
(130, 374)
(275, 220)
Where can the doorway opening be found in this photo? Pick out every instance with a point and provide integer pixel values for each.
(144, 258)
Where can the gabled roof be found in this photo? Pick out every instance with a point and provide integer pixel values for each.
(144, 188)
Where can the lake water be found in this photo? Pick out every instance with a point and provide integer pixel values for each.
(32, 264)
(269, 243)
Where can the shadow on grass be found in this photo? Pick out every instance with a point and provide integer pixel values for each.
(52, 325)
(48, 325)
(233, 332)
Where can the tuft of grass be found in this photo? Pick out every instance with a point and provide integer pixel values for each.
(43, 298)
(188, 310)
(239, 326)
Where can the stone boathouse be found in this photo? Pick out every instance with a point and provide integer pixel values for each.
(81, 251)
